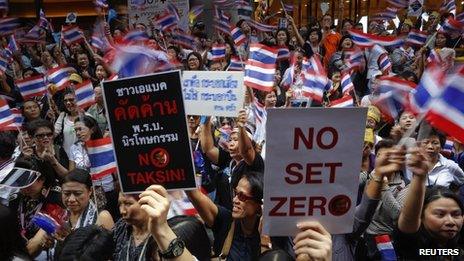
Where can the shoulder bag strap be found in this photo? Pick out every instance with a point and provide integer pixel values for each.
(227, 242)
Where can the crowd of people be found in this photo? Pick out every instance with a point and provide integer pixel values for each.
(410, 180)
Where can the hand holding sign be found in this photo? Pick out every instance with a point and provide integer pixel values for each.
(389, 161)
(313, 242)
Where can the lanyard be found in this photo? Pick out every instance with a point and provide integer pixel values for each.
(143, 248)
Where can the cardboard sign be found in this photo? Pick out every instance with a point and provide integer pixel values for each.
(149, 130)
(213, 93)
(313, 160)
(143, 11)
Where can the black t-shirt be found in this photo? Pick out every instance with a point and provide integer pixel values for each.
(236, 172)
(408, 246)
(242, 247)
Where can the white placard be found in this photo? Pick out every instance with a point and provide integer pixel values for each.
(146, 11)
(213, 93)
(313, 160)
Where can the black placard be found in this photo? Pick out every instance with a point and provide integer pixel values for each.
(149, 130)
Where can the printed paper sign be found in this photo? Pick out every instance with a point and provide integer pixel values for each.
(143, 11)
(149, 131)
(313, 160)
(213, 93)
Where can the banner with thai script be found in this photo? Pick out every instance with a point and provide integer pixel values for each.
(213, 93)
(143, 11)
(148, 127)
(313, 159)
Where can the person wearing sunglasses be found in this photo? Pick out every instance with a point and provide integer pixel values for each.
(64, 125)
(42, 134)
(32, 199)
(242, 221)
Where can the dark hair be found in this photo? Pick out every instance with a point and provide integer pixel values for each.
(239, 23)
(431, 132)
(80, 176)
(87, 243)
(175, 48)
(198, 56)
(34, 71)
(384, 144)
(286, 33)
(275, 255)
(256, 184)
(8, 145)
(317, 30)
(343, 39)
(347, 20)
(36, 165)
(92, 124)
(38, 123)
(261, 95)
(30, 100)
(406, 74)
(437, 192)
(11, 243)
(193, 233)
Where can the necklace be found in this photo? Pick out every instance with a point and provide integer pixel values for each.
(142, 253)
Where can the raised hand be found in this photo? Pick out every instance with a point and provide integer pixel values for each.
(313, 242)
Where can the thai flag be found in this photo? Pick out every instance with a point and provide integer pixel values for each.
(85, 95)
(283, 54)
(4, 5)
(389, 14)
(288, 8)
(262, 27)
(448, 6)
(221, 21)
(400, 4)
(167, 21)
(3, 64)
(388, 105)
(260, 67)
(6, 118)
(447, 112)
(17, 123)
(314, 85)
(238, 36)
(417, 37)
(173, 10)
(134, 36)
(434, 57)
(184, 40)
(8, 25)
(392, 83)
(429, 88)
(71, 34)
(452, 26)
(344, 102)
(460, 17)
(448, 149)
(385, 247)
(244, 10)
(12, 46)
(218, 52)
(346, 83)
(113, 77)
(354, 59)
(33, 35)
(260, 115)
(98, 43)
(32, 87)
(43, 22)
(195, 11)
(314, 63)
(364, 40)
(101, 156)
(385, 64)
(101, 3)
(235, 64)
(59, 76)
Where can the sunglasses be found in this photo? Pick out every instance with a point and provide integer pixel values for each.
(43, 135)
(242, 196)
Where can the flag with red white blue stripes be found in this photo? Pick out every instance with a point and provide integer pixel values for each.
(346, 83)
(260, 68)
(71, 34)
(385, 247)
(85, 95)
(344, 102)
(6, 118)
(17, 122)
(283, 53)
(430, 87)
(218, 52)
(417, 37)
(8, 25)
(101, 156)
(446, 113)
(32, 87)
(448, 6)
(235, 64)
(166, 22)
(238, 36)
(59, 76)
(365, 40)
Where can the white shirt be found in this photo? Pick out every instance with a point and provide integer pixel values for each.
(443, 173)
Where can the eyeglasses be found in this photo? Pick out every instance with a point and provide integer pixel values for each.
(242, 196)
(43, 135)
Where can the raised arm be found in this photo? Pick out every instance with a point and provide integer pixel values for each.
(205, 207)
(409, 220)
(295, 30)
(154, 200)
(244, 142)
(207, 142)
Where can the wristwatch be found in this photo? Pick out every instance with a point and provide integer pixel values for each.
(175, 249)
